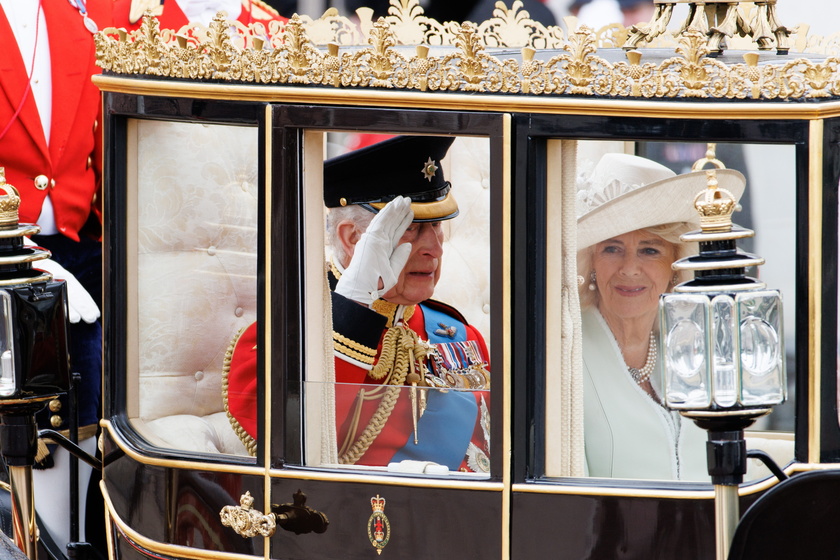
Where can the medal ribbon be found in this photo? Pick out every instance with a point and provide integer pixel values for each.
(80, 5)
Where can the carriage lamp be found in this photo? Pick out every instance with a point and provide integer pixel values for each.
(34, 363)
(723, 350)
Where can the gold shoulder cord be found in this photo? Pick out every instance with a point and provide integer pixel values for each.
(400, 348)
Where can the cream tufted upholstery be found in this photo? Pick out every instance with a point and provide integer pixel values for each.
(465, 274)
(196, 269)
(196, 275)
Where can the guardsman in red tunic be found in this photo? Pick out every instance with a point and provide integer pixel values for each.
(412, 376)
(50, 147)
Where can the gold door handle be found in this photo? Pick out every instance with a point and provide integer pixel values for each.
(248, 522)
(295, 517)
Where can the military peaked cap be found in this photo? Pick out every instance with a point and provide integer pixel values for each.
(401, 166)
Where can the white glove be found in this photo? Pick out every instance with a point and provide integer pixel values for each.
(378, 254)
(80, 304)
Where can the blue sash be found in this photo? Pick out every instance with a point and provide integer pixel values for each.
(446, 427)
(439, 325)
(444, 431)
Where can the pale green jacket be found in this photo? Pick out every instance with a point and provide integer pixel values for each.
(626, 433)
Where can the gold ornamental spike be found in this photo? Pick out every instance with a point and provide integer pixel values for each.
(711, 158)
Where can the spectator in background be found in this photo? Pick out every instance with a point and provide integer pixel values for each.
(636, 11)
(467, 10)
(286, 8)
(537, 9)
(174, 14)
(576, 5)
(379, 7)
(598, 13)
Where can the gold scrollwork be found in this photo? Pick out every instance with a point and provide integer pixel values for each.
(460, 57)
(248, 522)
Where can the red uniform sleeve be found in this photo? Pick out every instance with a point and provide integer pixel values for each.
(240, 385)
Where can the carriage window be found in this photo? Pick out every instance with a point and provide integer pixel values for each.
(401, 382)
(192, 262)
(633, 202)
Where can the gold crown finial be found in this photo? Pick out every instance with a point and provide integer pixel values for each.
(9, 204)
(715, 205)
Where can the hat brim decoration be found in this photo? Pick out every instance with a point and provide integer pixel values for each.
(444, 208)
(627, 193)
(401, 166)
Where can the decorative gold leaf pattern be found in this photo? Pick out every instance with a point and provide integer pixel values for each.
(510, 53)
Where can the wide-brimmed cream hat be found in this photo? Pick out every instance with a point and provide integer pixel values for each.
(625, 193)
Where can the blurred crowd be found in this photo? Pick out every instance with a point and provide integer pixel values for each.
(595, 13)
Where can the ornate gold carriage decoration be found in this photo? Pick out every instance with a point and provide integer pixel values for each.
(509, 53)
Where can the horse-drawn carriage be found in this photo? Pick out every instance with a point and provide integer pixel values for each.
(214, 220)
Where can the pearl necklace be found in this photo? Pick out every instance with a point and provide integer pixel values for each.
(642, 375)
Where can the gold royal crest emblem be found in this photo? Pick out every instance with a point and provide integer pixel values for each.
(378, 526)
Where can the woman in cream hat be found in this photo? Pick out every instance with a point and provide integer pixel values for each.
(631, 214)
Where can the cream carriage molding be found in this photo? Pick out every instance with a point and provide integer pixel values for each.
(509, 53)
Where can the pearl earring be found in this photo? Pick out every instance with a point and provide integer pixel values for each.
(592, 286)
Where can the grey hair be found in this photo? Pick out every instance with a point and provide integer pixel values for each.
(669, 232)
(360, 217)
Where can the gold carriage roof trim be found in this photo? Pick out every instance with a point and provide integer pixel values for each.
(509, 53)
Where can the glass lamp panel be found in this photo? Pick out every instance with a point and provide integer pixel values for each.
(762, 348)
(8, 386)
(724, 352)
(685, 342)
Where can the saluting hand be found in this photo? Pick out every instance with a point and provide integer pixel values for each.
(378, 257)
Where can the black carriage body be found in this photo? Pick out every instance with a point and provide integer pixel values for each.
(165, 501)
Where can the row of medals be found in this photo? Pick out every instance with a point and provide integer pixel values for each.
(472, 376)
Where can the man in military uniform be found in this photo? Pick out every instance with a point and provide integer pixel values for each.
(398, 353)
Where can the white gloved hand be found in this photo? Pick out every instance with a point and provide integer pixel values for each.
(80, 304)
(378, 254)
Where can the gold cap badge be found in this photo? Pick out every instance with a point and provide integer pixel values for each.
(429, 169)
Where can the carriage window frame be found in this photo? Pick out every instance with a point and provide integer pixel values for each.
(121, 349)
(292, 129)
(532, 142)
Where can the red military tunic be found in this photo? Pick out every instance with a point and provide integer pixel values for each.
(359, 332)
(395, 441)
(69, 168)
